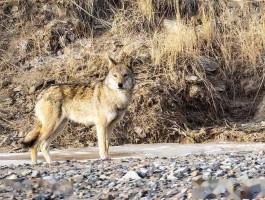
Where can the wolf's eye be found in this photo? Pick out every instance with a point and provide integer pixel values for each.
(125, 75)
(115, 75)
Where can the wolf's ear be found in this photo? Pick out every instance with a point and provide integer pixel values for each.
(130, 64)
(112, 62)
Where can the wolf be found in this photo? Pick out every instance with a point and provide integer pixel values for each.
(102, 105)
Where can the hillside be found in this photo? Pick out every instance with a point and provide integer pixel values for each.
(199, 66)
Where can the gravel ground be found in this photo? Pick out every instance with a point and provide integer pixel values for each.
(135, 178)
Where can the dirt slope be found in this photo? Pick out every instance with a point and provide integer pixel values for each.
(197, 64)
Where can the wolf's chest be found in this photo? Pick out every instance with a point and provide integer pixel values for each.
(113, 114)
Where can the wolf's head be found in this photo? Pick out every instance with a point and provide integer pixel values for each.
(120, 76)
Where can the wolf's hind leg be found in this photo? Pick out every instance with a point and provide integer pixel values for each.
(44, 146)
(46, 141)
(34, 154)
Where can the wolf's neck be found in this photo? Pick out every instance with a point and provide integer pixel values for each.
(121, 98)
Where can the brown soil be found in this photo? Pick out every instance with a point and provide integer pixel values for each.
(189, 99)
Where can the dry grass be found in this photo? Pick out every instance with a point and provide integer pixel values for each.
(173, 45)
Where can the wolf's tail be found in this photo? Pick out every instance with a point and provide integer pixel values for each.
(32, 137)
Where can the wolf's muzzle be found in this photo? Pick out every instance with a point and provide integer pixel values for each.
(120, 85)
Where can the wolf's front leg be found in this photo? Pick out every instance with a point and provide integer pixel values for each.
(109, 133)
(101, 134)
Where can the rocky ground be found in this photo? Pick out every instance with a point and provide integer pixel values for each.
(240, 175)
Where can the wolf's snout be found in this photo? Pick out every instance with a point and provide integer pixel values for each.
(120, 85)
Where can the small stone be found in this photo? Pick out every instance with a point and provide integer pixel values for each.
(143, 172)
(209, 64)
(125, 160)
(21, 134)
(219, 173)
(172, 165)
(182, 170)
(198, 179)
(181, 194)
(87, 170)
(102, 177)
(171, 177)
(163, 178)
(243, 178)
(162, 168)
(31, 90)
(14, 9)
(112, 184)
(29, 193)
(237, 169)
(191, 78)
(50, 179)
(194, 173)
(196, 91)
(12, 176)
(131, 175)
(17, 89)
(157, 164)
(262, 123)
(152, 184)
(206, 175)
(261, 153)
(26, 172)
(171, 193)
(171, 25)
(225, 167)
(35, 174)
(138, 130)
(220, 88)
